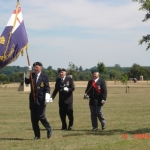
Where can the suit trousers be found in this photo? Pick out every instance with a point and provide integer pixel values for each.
(66, 110)
(38, 113)
(96, 112)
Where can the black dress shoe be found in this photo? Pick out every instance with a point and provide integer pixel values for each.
(36, 138)
(94, 129)
(70, 128)
(103, 126)
(49, 133)
(64, 128)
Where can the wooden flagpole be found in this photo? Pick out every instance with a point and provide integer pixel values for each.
(32, 84)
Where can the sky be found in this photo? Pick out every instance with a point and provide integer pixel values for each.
(83, 32)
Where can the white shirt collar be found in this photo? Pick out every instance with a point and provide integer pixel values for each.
(38, 74)
(63, 78)
(96, 79)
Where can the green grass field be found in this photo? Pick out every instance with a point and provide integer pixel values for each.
(127, 116)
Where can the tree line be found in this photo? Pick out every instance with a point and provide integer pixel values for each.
(11, 74)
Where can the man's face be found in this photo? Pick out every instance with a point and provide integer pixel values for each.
(62, 74)
(37, 69)
(95, 75)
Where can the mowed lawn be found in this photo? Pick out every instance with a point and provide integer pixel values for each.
(127, 116)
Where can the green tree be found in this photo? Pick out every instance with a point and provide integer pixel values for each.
(49, 68)
(114, 74)
(101, 67)
(136, 71)
(72, 70)
(84, 76)
(145, 6)
(117, 66)
(4, 79)
(80, 68)
(17, 77)
(51, 75)
(124, 79)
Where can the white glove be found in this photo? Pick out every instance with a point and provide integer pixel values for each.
(66, 89)
(28, 72)
(50, 100)
(86, 96)
(29, 68)
(103, 101)
(47, 98)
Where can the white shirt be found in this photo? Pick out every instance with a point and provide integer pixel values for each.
(62, 79)
(96, 80)
(38, 76)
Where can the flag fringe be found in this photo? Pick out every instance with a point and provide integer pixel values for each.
(21, 51)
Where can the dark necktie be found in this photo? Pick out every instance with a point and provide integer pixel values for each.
(35, 85)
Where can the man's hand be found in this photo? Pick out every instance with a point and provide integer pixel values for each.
(28, 72)
(50, 100)
(103, 102)
(47, 98)
(86, 96)
(29, 68)
(66, 89)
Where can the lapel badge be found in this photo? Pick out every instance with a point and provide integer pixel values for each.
(42, 84)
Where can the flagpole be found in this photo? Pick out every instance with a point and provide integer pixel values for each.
(32, 85)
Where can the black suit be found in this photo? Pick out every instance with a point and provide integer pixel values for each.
(38, 107)
(95, 97)
(65, 100)
(96, 101)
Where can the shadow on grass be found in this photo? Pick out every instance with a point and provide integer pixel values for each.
(14, 139)
(68, 130)
(80, 132)
(108, 132)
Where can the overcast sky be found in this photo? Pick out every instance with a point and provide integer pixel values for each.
(84, 32)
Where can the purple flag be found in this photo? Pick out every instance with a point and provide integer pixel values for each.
(13, 39)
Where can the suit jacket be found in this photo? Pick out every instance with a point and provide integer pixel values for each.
(64, 97)
(96, 97)
(40, 88)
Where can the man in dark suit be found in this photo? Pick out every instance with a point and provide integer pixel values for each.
(65, 86)
(39, 96)
(96, 92)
